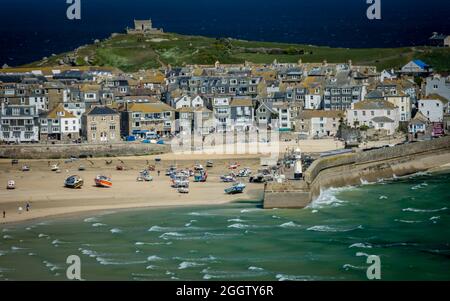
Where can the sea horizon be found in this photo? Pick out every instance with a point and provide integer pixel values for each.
(31, 38)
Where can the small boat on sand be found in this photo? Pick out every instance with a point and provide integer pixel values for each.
(102, 181)
(235, 189)
(234, 166)
(228, 179)
(25, 168)
(209, 164)
(55, 167)
(120, 167)
(183, 190)
(144, 176)
(11, 185)
(74, 182)
(81, 168)
(200, 176)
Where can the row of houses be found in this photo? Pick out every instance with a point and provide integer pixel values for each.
(102, 105)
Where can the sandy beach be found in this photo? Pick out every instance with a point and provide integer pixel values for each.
(45, 191)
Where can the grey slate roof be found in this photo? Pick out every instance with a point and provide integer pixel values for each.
(102, 111)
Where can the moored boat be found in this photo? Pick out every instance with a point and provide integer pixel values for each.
(25, 168)
(11, 185)
(209, 164)
(144, 176)
(235, 189)
(74, 182)
(183, 190)
(200, 176)
(55, 167)
(102, 181)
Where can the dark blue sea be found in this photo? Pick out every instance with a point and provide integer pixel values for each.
(30, 29)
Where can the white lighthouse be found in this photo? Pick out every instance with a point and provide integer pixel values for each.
(298, 168)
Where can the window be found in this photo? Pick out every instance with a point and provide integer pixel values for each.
(93, 127)
(112, 127)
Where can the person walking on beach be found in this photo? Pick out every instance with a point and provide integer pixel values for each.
(159, 173)
(28, 206)
(4, 214)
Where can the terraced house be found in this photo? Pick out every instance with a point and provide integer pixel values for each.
(101, 125)
(19, 123)
(377, 114)
(140, 118)
(59, 124)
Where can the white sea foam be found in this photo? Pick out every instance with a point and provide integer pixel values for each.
(333, 229)
(256, 269)
(106, 261)
(91, 220)
(360, 254)
(169, 235)
(98, 225)
(249, 210)
(352, 267)
(89, 253)
(361, 245)
(435, 218)
(116, 231)
(424, 210)
(154, 258)
(43, 235)
(328, 198)
(236, 220)
(189, 264)
(407, 222)
(284, 277)
(7, 237)
(238, 226)
(290, 225)
(383, 197)
(13, 248)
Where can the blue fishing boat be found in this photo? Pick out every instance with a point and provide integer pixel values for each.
(235, 189)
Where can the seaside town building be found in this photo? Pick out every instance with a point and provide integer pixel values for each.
(19, 123)
(101, 125)
(439, 85)
(138, 119)
(433, 109)
(59, 124)
(319, 123)
(289, 97)
(373, 113)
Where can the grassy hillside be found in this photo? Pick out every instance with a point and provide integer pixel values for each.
(134, 52)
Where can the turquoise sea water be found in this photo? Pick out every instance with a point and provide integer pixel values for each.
(404, 221)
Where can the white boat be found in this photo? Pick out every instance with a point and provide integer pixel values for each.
(144, 176)
(25, 168)
(11, 185)
(183, 190)
(55, 167)
(74, 182)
